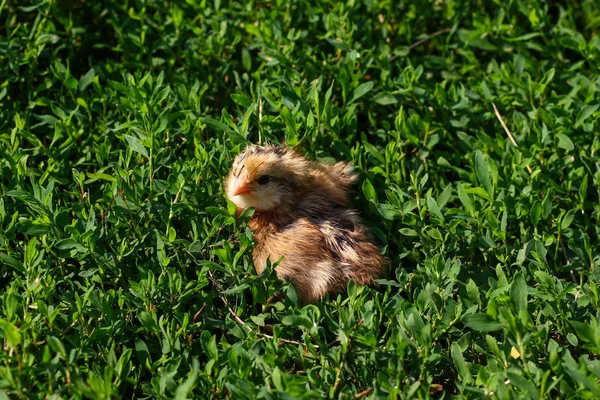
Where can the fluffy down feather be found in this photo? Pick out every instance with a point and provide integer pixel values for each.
(302, 215)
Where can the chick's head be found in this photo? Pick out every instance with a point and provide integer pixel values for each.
(267, 178)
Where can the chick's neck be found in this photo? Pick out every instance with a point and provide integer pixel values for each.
(269, 220)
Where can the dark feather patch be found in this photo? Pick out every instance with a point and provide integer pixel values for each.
(239, 171)
(280, 151)
(257, 150)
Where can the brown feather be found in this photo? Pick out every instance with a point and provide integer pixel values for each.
(301, 215)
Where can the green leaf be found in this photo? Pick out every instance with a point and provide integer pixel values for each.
(33, 228)
(142, 352)
(479, 192)
(460, 363)
(444, 196)
(338, 44)
(524, 37)
(126, 125)
(385, 99)
(241, 99)
(11, 333)
(88, 272)
(433, 207)
(465, 199)
(136, 145)
(473, 292)
(586, 332)
(583, 189)
(518, 298)
(66, 244)
(5, 259)
(481, 322)
(104, 177)
(572, 339)
(148, 321)
(162, 95)
(408, 232)
(387, 211)
(360, 91)
(564, 142)
(246, 60)
(11, 304)
(584, 114)
(119, 86)
(523, 383)
(85, 80)
(579, 377)
(504, 222)
(567, 219)
(215, 124)
(297, 321)
(182, 391)
(236, 289)
(369, 191)
(161, 122)
(536, 213)
(372, 150)
(57, 345)
(71, 82)
(483, 173)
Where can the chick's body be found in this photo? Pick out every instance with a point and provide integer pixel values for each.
(301, 215)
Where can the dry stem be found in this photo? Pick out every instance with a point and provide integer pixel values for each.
(363, 393)
(434, 34)
(242, 322)
(510, 136)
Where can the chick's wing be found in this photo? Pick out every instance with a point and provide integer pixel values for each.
(307, 259)
(348, 243)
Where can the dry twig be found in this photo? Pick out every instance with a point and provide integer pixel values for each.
(510, 136)
(363, 393)
(199, 312)
(434, 34)
(421, 41)
(564, 249)
(242, 322)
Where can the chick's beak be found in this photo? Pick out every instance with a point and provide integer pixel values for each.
(242, 188)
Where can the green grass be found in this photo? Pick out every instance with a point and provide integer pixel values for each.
(125, 274)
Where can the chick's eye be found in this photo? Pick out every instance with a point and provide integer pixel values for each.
(263, 180)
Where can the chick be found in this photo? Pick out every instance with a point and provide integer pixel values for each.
(301, 215)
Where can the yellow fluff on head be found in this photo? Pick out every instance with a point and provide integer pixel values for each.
(301, 215)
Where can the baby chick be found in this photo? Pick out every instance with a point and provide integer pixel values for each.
(301, 215)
